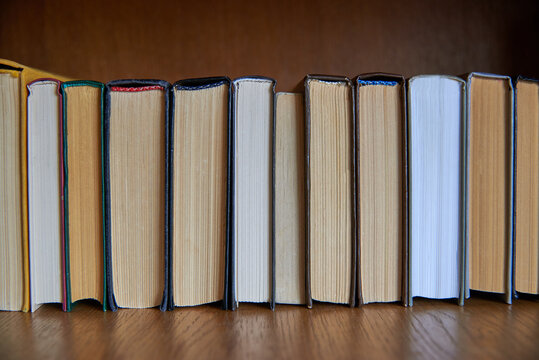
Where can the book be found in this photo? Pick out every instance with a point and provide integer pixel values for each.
(526, 266)
(330, 190)
(136, 128)
(45, 183)
(382, 190)
(200, 192)
(490, 183)
(14, 259)
(289, 198)
(83, 192)
(252, 192)
(437, 175)
(12, 284)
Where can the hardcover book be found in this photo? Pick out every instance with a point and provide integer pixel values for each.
(200, 181)
(136, 129)
(252, 263)
(14, 253)
(437, 173)
(331, 236)
(490, 202)
(83, 192)
(45, 183)
(382, 188)
(526, 267)
(289, 198)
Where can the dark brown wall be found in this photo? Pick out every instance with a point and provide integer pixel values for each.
(106, 39)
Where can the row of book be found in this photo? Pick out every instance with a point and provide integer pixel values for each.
(138, 193)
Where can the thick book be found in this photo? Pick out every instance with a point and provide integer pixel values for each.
(252, 230)
(490, 198)
(136, 198)
(382, 188)
(200, 181)
(526, 265)
(331, 236)
(289, 198)
(14, 258)
(45, 182)
(83, 192)
(437, 186)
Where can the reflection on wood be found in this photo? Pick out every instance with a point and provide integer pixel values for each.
(431, 329)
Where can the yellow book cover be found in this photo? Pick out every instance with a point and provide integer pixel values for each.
(26, 75)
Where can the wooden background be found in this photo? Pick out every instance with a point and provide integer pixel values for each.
(482, 329)
(170, 40)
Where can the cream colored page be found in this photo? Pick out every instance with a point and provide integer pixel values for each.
(137, 196)
(526, 189)
(199, 191)
(488, 196)
(84, 205)
(290, 199)
(331, 191)
(380, 154)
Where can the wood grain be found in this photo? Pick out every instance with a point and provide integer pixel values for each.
(171, 40)
(85, 224)
(431, 329)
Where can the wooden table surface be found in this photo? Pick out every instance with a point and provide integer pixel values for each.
(483, 328)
